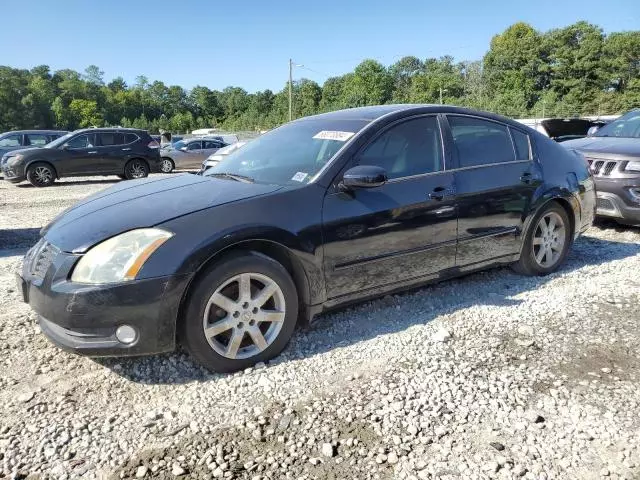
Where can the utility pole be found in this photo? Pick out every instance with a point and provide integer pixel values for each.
(290, 89)
(440, 95)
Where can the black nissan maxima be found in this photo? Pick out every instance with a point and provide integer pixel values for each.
(321, 212)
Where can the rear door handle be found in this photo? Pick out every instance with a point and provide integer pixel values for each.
(94, 151)
(126, 149)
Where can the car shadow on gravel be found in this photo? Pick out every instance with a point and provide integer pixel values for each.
(389, 314)
(16, 241)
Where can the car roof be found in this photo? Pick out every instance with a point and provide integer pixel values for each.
(33, 131)
(375, 112)
(110, 129)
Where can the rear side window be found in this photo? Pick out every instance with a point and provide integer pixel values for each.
(521, 142)
(211, 144)
(130, 138)
(108, 139)
(480, 142)
(194, 146)
(36, 139)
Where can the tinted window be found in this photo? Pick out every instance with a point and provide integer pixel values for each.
(627, 126)
(211, 144)
(81, 141)
(110, 138)
(410, 148)
(11, 141)
(521, 142)
(480, 142)
(194, 146)
(36, 139)
(130, 138)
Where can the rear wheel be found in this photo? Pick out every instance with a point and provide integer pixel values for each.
(547, 242)
(166, 165)
(41, 175)
(241, 311)
(136, 168)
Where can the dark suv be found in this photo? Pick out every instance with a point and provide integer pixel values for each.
(128, 153)
(613, 153)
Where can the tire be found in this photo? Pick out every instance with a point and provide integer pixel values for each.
(136, 168)
(543, 253)
(41, 174)
(166, 165)
(221, 284)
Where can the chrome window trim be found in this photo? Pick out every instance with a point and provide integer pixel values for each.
(474, 167)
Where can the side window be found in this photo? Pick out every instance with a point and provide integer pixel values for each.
(81, 141)
(211, 144)
(195, 146)
(36, 139)
(130, 138)
(11, 141)
(108, 139)
(522, 144)
(410, 148)
(480, 142)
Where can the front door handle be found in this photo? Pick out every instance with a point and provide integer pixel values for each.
(126, 149)
(92, 152)
(438, 193)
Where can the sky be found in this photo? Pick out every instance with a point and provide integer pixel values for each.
(248, 43)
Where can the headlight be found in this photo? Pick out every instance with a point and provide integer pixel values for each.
(13, 159)
(120, 258)
(633, 166)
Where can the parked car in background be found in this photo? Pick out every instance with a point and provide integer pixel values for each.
(189, 153)
(215, 158)
(562, 129)
(320, 212)
(126, 152)
(613, 153)
(27, 138)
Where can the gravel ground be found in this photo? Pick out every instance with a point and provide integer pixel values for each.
(490, 376)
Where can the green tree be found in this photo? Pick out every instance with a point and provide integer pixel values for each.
(84, 113)
(370, 84)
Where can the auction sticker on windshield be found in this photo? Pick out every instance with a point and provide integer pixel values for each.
(299, 177)
(334, 135)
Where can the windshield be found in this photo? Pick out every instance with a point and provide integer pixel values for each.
(291, 154)
(60, 141)
(627, 126)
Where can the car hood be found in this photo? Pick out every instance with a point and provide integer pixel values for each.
(606, 146)
(143, 203)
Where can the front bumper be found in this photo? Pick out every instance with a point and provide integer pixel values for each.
(13, 174)
(615, 199)
(84, 318)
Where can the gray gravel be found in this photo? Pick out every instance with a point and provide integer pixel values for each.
(490, 376)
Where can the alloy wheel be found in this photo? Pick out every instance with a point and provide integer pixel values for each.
(137, 170)
(42, 175)
(166, 166)
(549, 239)
(244, 315)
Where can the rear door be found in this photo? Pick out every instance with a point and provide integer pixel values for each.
(80, 157)
(401, 231)
(111, 153)
(495, 182)
(194, 155)
(209, 147)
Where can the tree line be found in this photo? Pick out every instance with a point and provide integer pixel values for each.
(568, 71)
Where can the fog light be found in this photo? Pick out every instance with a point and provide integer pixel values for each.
(126, 334)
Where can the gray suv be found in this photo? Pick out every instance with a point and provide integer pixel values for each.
(27, 138)
(613, 154)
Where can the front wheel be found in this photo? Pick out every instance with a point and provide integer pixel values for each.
(547, 242)
(241, 311)
(41, 175)
(136, 168)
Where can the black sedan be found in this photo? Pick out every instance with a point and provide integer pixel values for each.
(318, 213)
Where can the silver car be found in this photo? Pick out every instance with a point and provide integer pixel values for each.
(215, 158)
(189, 154)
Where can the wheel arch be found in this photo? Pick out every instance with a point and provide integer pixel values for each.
(39, 160)
(269, 248)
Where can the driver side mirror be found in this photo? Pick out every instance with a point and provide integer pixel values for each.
(184, 149)
(592, 130)
(363, 176)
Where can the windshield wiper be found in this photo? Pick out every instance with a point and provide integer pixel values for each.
(232, 176)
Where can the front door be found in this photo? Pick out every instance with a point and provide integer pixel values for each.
(401, 231)
(495, 181)
(193, 155)
(112, 153)
(81, 155)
